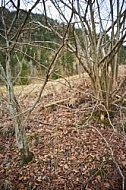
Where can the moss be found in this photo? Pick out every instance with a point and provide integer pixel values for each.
(26, 159)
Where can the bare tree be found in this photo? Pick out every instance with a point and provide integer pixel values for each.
(99, 31)
(9, 37)
(12, 33)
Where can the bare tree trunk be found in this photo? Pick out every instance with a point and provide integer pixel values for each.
(16, 116)
(10, 36)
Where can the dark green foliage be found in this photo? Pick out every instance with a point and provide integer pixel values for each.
(122, 55)
(24, 75)
(66, 61)
(6, 14)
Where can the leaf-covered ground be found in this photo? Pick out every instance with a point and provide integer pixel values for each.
(74, 149)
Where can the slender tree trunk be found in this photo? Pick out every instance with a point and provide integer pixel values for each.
(16, 116)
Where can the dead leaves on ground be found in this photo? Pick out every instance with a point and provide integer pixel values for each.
(69, 153)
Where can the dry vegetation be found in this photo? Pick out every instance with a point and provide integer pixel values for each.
(73, 147)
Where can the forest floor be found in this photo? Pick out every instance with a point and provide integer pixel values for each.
(74, 148)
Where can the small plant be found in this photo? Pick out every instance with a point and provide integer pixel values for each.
(101, 172)
(98, 172)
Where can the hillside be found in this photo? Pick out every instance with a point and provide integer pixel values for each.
(73, 148)
(36, 34)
